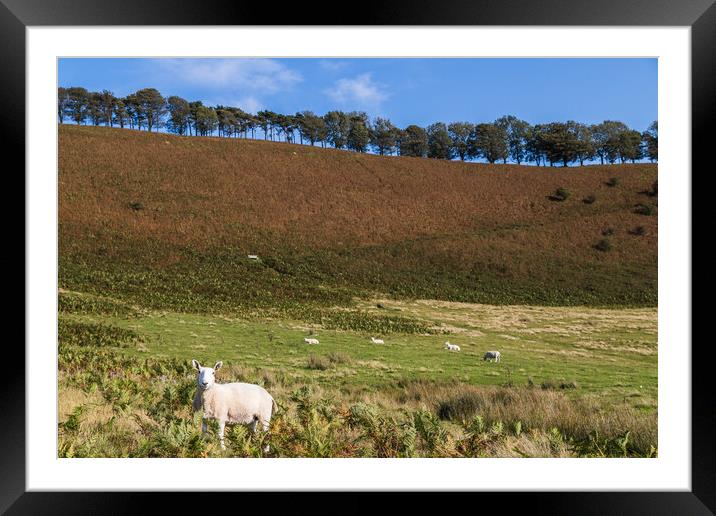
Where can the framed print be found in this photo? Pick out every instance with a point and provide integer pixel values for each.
(420, 252)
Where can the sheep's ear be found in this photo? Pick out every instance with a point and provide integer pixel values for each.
(196, 364)
(218, 365)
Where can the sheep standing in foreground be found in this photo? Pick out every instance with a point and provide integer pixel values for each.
(492, 355)
(377, 341)
(452, 347)
(244, 403)
(310, 341)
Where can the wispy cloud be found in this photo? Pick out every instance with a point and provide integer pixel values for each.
(265, 76)
(333, 65)
(248, 103)
(359, 92)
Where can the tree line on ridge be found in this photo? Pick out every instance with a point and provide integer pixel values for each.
(506, 139)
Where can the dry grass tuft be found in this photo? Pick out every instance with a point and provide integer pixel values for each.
(536, 409)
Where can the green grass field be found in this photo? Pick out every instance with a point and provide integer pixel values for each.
(607, 352)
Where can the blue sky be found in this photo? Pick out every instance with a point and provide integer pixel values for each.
(407, 91)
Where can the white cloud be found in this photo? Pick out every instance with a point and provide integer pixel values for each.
(249, 103)
(256, 75)
(332, 65)
(358, 92)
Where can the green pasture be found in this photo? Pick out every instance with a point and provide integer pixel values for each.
(611, 353)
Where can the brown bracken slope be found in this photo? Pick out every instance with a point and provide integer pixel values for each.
(403, 226)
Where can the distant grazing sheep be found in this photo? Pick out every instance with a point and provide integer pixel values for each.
(310, 341)
(376, 341)
(492, 355)
(244, 403)
(253, 257)
(452, 347)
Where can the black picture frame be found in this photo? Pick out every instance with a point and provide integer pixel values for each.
(700, 15)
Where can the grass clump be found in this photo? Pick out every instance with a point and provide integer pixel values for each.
(613, 181)
(460, 407)
(491, 410)
(561, 384)
(644, 209)
(318, 363)
(604, 245)
(654, 189)
(560, 194)
(548, 384)
(338, 357)
(321, 363)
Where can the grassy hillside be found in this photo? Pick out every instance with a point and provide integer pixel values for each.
(154, 233)
(140, 212)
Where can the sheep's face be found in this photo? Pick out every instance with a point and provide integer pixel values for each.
(206, 376)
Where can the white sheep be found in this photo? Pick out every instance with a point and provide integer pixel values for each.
(452, 347)
(244, 403)
(310, 341)
(492, 355)
(377, 341)
(253, 257)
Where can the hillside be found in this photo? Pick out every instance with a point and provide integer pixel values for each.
(167, 221)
